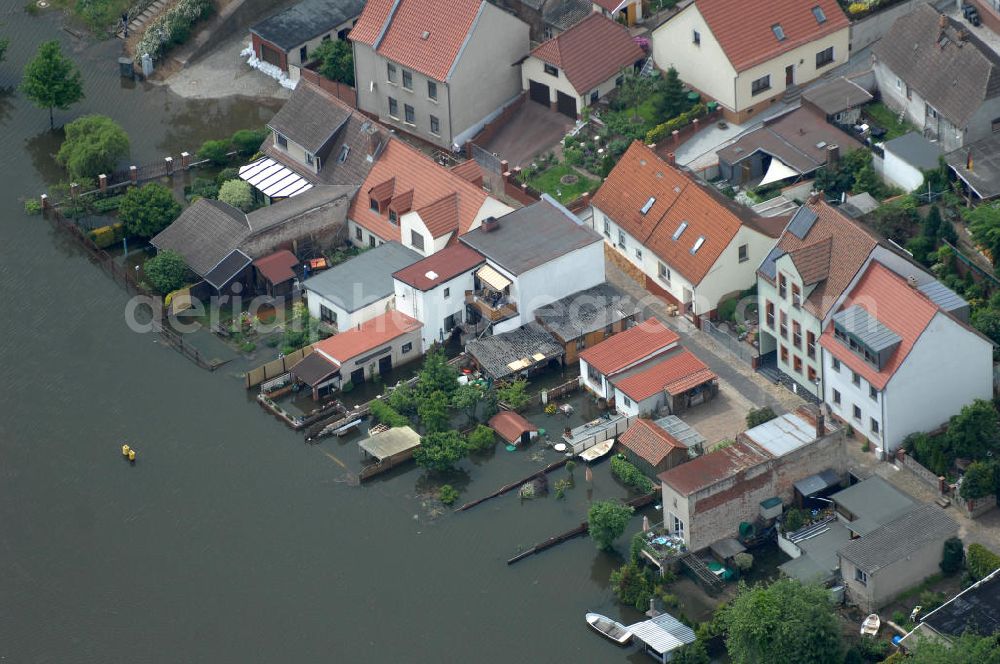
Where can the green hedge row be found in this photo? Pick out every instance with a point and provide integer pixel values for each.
(630, 475)
(661, 131)
(981, 561)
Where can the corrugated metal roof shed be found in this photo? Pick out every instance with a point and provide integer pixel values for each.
(783, 434)
(663, 633)
(681, 431)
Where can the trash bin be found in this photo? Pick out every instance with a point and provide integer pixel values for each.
(711, 106)
(126, 68)
(693, 97)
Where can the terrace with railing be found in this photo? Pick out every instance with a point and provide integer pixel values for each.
(492, 305)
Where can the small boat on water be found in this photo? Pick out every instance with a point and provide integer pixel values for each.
(871, 625)
(611, 629)
(597, 451)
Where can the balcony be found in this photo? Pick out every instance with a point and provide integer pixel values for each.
(492, 305)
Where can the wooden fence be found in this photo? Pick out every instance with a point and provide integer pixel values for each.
(276, 367)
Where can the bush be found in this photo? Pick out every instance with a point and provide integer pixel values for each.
(607, 520)
(147, 210)
(981, 561)
(661, 131)
(514, 394)
(953, 556)
(166, 271)
(94, 145)
(447, 494)
(630, 475)
(979, 481)
(32, 206)
(237, 193)
(106, 236)
(217, 152)
(202, 188)
(743, 561)
(758, 416)
(248, 346)
(727, 309)
(227, 174)
(247, 141)
(336, 61)
(171, 27)
(633, 585)
(384, 414)
(794, 519)
(481, 438)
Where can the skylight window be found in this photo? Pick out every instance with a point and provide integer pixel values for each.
(818, 13)
(697, 244)
(649, 205)
(778, 32)
(344, 151)
(680, 230)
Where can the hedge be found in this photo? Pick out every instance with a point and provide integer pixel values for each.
(981, 561)
(105, 205)
(630, 475)
(105, 236)
(172, 27)
(661, 131)
(384, 414)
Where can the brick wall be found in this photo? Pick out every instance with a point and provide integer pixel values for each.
(718, 512)
(491, 128)
(829, 452)
(341, 91)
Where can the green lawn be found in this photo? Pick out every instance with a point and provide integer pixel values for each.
(548, 182)
(885, 117)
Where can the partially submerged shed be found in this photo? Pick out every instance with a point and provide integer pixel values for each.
(388, 448)
(521, 351)
(513, 428)
(661, 636)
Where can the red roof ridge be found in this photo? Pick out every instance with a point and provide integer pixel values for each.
(366, 336)
(621, 350)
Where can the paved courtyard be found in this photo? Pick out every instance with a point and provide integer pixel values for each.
(533, 130)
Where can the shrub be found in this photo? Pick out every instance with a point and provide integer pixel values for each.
(227, 174)
(979, 481)
(794, 519)
(931, 600)
(148, 210)
(106, 236)
(447, 494)
(171, 27)
(758, 416)
(481, 438)
(237, 193)
(215, 151)
(953, 556)
(105, 205)
(633, 585)
(248, 347)
(384, 414)
(561, 486)
(981, 561)
(514, 394)
(630, 475)
(202, 188)
(336, 61)
(661, 131)
(247, 141)
(94, 145)
(166, 271)
(32, 206)
(743, 561)
(727, 309)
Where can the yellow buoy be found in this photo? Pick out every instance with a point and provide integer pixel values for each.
(131, 455)
(125, 450)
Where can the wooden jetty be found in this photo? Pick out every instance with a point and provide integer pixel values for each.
(582, 529)
(507, 488)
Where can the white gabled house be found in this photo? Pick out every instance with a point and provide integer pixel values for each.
(626, 350)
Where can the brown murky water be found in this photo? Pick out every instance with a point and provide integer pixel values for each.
(230, 540)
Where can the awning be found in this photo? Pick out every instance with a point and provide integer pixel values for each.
(272, 179)
(778, 171)
(492, 278)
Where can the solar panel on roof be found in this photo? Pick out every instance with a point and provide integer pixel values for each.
(802, 222)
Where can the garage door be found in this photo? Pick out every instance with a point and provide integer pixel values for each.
(566, 105)
(538, 92)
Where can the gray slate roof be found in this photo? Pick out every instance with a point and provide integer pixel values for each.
(955, 79)
(977, 608)
(532, 236)
(857, 321)
(310, 117)
(984, 178)
(364, 279)
(495, 353)
(915, 150)
(289, 208)
(902, 537)
(586, 311)
(874, 501)
(306, 21)
(564, 14)
(838, 95)
(205, 234)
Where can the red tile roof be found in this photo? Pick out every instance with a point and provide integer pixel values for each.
(611, 5)
(404, 172)
(510, 425)
(469, 170)
(746, 35)
(675, 372)
(628, 347)
(701, 473)
(366, 337)
(895, 304)
(591, 52)
(641, 175)
(440, 267)
(649, 442)
(403, 23)
(277, 267)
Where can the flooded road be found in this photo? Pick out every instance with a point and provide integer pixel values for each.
(230, 540)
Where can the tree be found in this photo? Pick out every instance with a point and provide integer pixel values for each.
(672, 100)
(4, 43)
(632, 584)
(148, 210)
(466, 398)
(966, 649)
(514, 393)
(979, 481)
(693, 653)
(440, 451)
(759, 416)
(248, 141)
(237, 193)
(633, 91)
(984, 225)
(481, 438)
(981, 561)
(953, 556)
(336, 61)
(987, 321)
(931, 227)
(782, 622)
(216, 152)
(922, 248)
(403, 400)
(94, 144)
(166, 271)
(437, 375)
(607, 520)
(51, 80)
(974, 431)
(433, 412)
(896, 220)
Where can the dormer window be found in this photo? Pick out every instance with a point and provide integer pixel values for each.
(281, 141)
(680, 230)
(393, 217)
(867, 338)
(778, 31)
(818, 13)
(373, 205)
(648, 206)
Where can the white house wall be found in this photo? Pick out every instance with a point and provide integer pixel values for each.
(598, 387)
(348, 319)
(703, 66)
(533, 69)
(313, 44)
(949, 367)
(899, 173)
(432, 307)
(728, 274)
(410, 222)
(852, 395)
(570, 273)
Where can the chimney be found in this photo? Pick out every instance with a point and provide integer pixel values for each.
(942, 21)
(912, 281)
(490, 224)
(814, 197)
(832, 155)
(820, 426)
(671, 159)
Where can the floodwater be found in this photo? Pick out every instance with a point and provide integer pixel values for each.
(230, 540)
